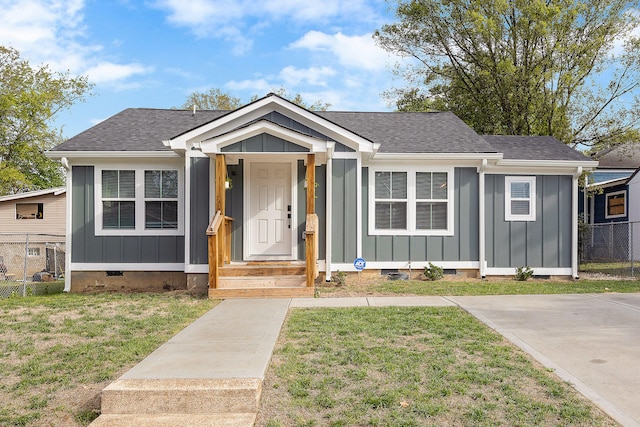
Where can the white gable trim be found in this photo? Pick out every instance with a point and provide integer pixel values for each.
(215, 144)
(259, 108)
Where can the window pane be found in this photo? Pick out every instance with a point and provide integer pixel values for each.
(431, 216)
(399, 215)
(520, 207)
(109, 184)
(383, 185)
(423, 185)
(170, 215)
(423, 216)
(615, 204)
(127, 184)
(439, 216)
(161, 215)
(170, 184)
(109, 215)
(118, 215)
(152, 184)
(383, 215)
(399, 185)
(127, 214)
(153, 215)
(520, 190)
(440, 185)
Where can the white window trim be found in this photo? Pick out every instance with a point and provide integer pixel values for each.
(411, 201)
(139, 229)
(531, 216)
(606, 204)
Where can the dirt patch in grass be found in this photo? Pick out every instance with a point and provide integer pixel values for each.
(58, 352)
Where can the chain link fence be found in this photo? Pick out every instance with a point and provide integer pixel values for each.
(612, 248)
(31, 264)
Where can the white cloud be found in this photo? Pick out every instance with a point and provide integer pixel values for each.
(51, 32)
(261, 86)
(237, 21)
(106, 72)
(351, 51)
(292, 76)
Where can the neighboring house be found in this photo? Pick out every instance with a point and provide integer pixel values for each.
(32, 224)
(397, 189)
(610, 199)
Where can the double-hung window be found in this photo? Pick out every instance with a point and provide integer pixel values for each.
(410, 201)
(520, 198)
(138, 200)
(118, 199)
(161, 199)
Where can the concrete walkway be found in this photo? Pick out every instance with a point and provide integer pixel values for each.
(211, 373)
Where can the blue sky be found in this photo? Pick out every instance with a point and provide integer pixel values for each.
(153, 53)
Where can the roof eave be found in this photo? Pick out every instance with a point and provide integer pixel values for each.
(59, 155)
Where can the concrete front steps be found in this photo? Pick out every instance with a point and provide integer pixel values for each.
(180, 402)
(262, 280)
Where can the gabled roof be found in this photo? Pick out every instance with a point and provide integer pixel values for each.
(138, 129)
(144, 130)
(625, 156)
(28, 194)
(404, 132)
(533, 148)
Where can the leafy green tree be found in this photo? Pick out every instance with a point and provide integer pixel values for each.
(29, 99)
(522, 67)
(318, 105)
(213, 99)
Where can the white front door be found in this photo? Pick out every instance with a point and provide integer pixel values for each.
(269, 227)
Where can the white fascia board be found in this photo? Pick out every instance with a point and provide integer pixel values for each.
(437, 156)
(215, 144)
(55, 191)
(261, 107)
(417, 162)
(585, 165)
(610, 183)
(532, 170)
(71, 155)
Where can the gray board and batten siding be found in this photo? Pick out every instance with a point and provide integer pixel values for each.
(199, 216)
(461, 246)
(89, 248)
(545, 242)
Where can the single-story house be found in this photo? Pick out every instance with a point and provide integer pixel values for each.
(32, 233)
(219, 197)
(612, 200)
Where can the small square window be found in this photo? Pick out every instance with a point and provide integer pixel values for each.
(520, 198)
(616, 206)
(33, 252)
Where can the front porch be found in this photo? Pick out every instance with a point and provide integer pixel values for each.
(259, 278)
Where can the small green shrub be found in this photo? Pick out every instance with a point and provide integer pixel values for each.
(524, 273)
(433, 272)
(339, 278)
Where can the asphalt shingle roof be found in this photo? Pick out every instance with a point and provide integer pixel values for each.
(401, 132)
(143, 129)
(533, 148)
(626, 156)
(138, 129)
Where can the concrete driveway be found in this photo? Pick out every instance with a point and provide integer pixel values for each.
(591, 341)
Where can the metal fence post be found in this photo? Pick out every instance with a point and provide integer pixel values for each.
(24, 272)
(631, 224)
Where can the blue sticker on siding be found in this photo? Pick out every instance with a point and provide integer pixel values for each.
(359, 264)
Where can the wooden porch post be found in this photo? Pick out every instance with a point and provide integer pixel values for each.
(311, 184)
(221, 176)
